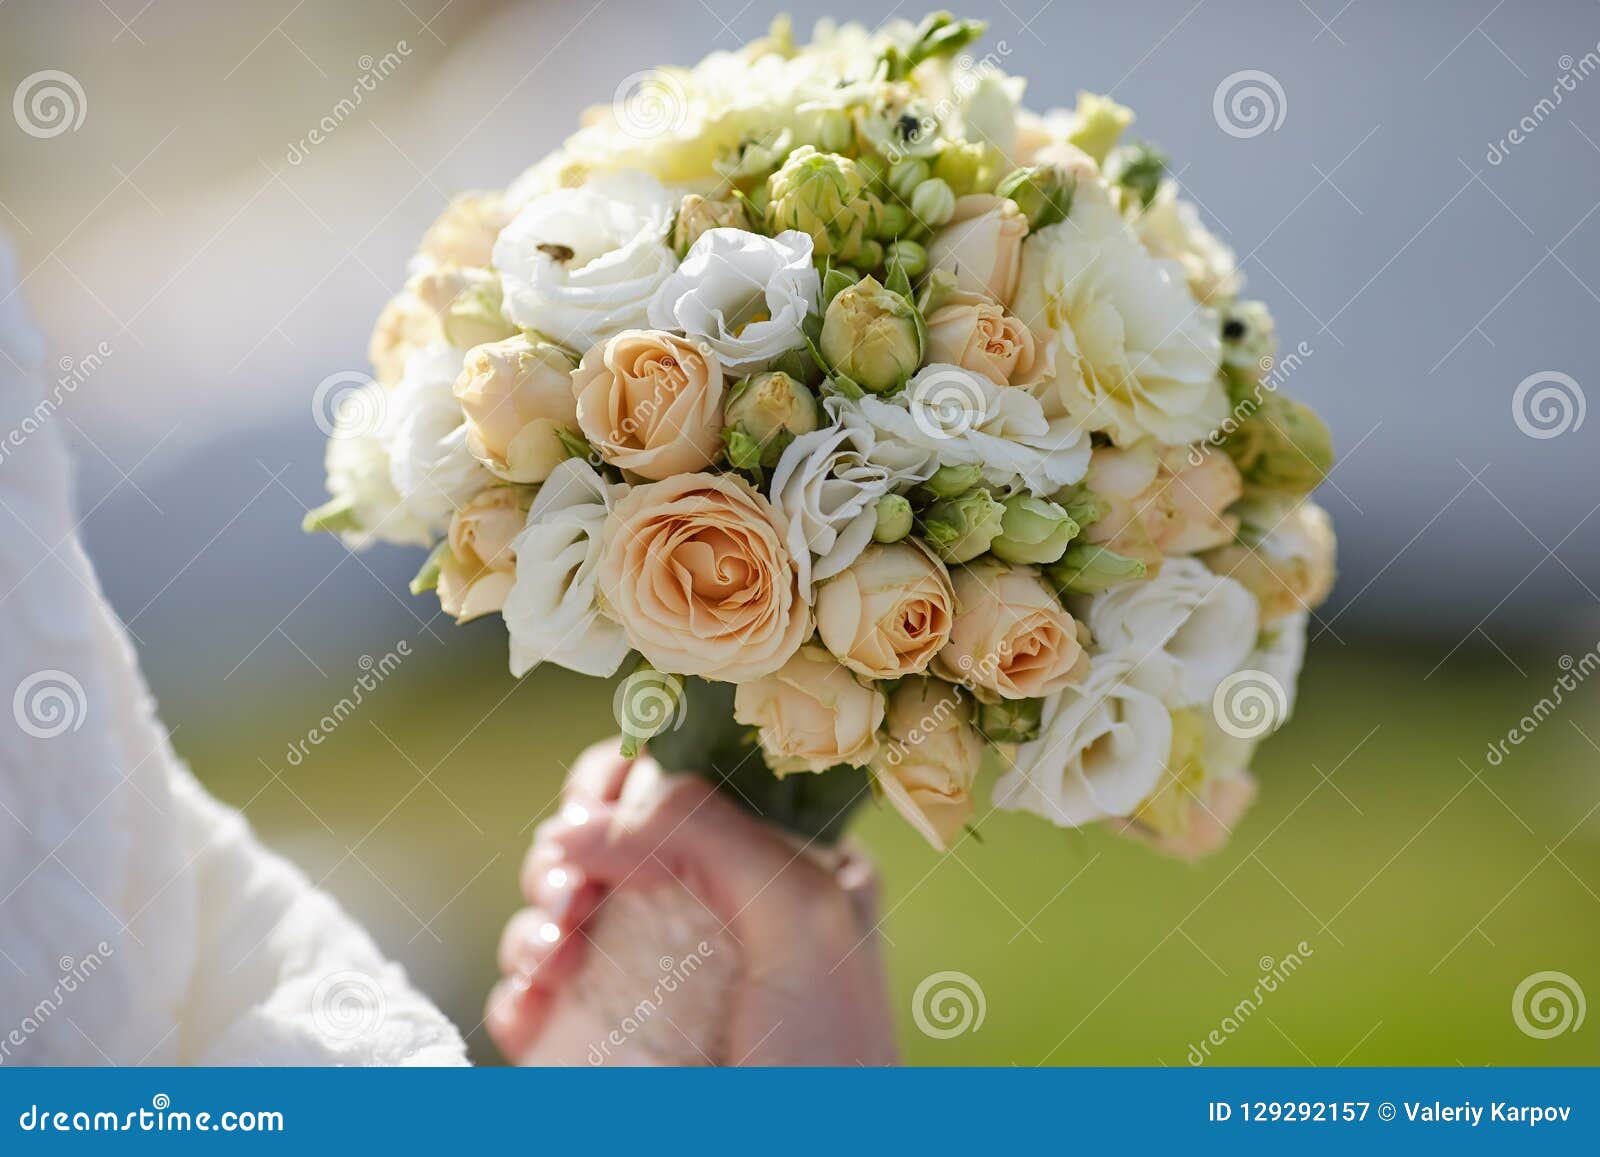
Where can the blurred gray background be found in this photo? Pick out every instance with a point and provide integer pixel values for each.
(227, 278)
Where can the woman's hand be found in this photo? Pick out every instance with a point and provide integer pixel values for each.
(810, 988)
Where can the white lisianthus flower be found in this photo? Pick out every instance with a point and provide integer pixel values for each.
(430, 464)
(827, 485)
(742, 294)
(1102, 749)
(358, 480)
(1172, 231)
(1275, 670)
(580, 265)
(1182, 631)
(551, 611)
(961, 418)
(1124, 347)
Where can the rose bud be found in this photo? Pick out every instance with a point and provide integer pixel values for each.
(698, 214)
(982, 246)
(870, 335)
(967, 167)
(475, 316)
(1285, 556)
(1032, 530)
(960, 529)
(910, 255)
(971, 331)
(825, 195)
(894, 518)
(953, 481)
(888, 613)
(1282, 446)
(517, 398)
(933, 203)
(1010, 720)
(1088, 570)
(927, 766)
(1042, 193)
(651, 402)
(476, 572)
(762, 415)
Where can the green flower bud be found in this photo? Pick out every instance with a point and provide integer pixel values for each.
(763, 414)
(1088, 570)
(871, 254)
(1282, 446)
(1032, 531)
(1042, 193)
(894, 518)
(698, 214)
(870, 335)
(474, 316)
(893, 221)
(960, 529)
(909, 254)
(968, 167)
(1009, 720)
(1097, 122)
(825, 195)
(834, 131)
(933, 203)
(907, 175)
(951, 481)
(1138, 167)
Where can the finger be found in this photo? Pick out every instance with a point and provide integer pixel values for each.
(562, 891)
(556, 840)
(598, 774)
(527, 939)
(514, 1015)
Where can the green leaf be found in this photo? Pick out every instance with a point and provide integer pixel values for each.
(333, 517)
(428, 577)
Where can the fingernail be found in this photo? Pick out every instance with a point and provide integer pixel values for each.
(561, 885)
(549, 932)
(575, 814)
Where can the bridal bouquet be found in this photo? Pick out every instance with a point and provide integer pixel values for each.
(871, 423)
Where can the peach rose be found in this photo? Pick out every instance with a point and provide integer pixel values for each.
(516, 395)
(926, 767)
(464, 234)
(1012, 637)
(651, 403)
(1161, 500)
(889, 612)
(477, 572)
(811, 713)
(982, 245)
(972, 332)
(695, 569)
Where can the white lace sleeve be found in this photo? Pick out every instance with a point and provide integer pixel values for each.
(140, 921)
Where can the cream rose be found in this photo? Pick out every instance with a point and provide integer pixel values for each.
(449, 306)
(516, 395)
(889, 613)
(1012, 638)
(480, 566)
(982, 246)
(927, 766)
(696, 571)
(465, 233)
(972, 332)
(1161, 501)
(811, 713)
(1291, 565)
(651, 403)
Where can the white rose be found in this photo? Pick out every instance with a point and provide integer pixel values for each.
(962, 418)
(432, 468)
(551, 612)
(358, 480)
(1124, 348)
(1102, 749)
(1183, 630)
(1172, 231)
(827, 485)
(742, 294)
(580, 265)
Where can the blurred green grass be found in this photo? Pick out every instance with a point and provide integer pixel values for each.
(1425, 883)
